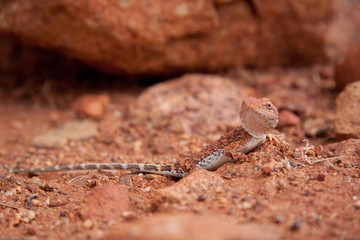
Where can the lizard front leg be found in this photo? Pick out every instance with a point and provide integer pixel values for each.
(276, 139)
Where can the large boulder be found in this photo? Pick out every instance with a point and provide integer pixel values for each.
(348, 70)
(347, 112)
(191, 104)
(172, 36)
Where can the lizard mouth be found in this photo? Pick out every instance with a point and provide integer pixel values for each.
(276, 122)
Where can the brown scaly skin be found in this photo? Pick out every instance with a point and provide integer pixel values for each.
(258, 117)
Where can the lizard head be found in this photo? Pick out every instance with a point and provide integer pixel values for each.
(258, 116)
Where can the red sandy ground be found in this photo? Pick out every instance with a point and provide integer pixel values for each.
(309, 201)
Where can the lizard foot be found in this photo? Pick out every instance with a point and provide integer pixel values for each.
(276, 139)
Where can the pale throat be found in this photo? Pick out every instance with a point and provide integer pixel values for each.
(256, 126)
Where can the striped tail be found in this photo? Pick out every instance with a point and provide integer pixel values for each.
(165, 170)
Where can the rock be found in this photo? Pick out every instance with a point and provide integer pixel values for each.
(187, 191)
(316, 127)
(347, 112)
(327, 72)
(296, 225)
(106, 202)
(288, 118)
(31, 231)
(194, 103)
(88, 223)
(190, 226)
(36, 203)
(91, 105)
(79, 130)
(348, 70)
(25, 215)
(72, 130)
(49, 139)
(159, 37)
(348, 150)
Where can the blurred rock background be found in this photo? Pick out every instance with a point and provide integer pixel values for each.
(143, 39)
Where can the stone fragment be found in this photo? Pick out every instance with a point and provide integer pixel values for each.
(72, 130)
(188, 189)
(348, 151)
(79, 130)
(91, 105)
(88, 223)
(191, 226)
(49, 139)
(193, 104)
(327, 72)
(288, 118)
(357, 205)
(296, 225)
(348, 70)
(347, 112)
(25, 215)
(31, 231)
(36, 203)
(106, 202)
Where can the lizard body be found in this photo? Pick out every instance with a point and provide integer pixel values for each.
(258, 116)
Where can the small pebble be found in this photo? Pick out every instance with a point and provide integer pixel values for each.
(266, 169)
(357, 204)
(36, 203)
(219, 189)
(278, 218)
(295, 226)
(147, 189)
(31, 231)
(128, 215)
(244, 205)
(330, 154)
(223, 200)
(64, 214)
(320, 177)
(88, 224)
(35, 180)
(282, 184)
(91, 105)
(25, 215)
(201, 198)
(32, 150)
(32, 188)
(319, 149)
(18, 189)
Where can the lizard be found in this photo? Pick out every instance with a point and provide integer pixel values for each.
(257, 115)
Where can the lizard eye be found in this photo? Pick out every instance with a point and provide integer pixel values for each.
(268, 105)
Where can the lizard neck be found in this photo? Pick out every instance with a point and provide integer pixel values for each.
(256, 125)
